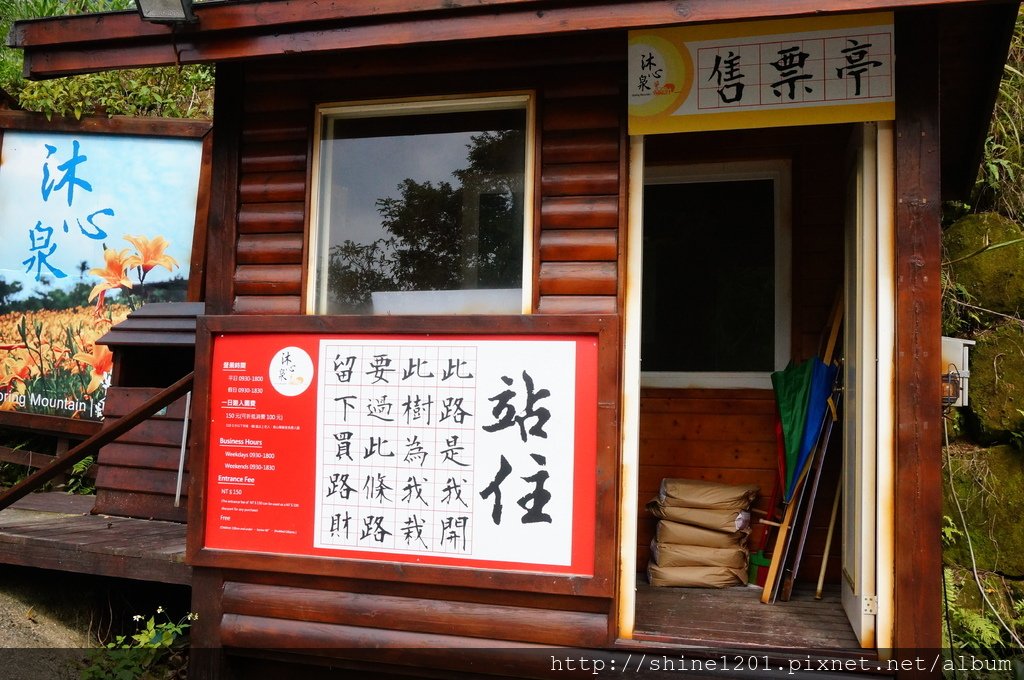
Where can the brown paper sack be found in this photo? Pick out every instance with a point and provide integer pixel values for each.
(687, 534)
(696, 493)
(728, 521)
(673, 555)
(695, 577)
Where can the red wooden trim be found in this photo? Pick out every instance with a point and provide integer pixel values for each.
(123, 125)
(601, 584)
(227, 16)
(309, 230)
(73, 45)
(918, 492)
(622, 226)
(539, 104)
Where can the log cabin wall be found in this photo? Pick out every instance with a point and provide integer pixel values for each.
(138, 474)
(579, 224)
(578, 217)
(579, 199)
(729, 435)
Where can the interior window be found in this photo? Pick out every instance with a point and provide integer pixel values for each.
(421, 207)
(715, 287)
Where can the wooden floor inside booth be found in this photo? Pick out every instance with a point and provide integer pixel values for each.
(735, 618)
(728, 436)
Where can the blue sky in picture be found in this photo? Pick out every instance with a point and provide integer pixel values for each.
(64, 197)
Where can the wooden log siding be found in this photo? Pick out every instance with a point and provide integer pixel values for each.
(246, 603)
(579, 184)
(137, 475)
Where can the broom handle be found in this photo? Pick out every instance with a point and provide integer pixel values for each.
(828, 541)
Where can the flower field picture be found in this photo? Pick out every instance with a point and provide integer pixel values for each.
(95, 226)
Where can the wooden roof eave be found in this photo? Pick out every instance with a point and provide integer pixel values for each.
(262, 28)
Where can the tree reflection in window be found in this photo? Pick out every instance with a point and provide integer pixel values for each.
(438, 234)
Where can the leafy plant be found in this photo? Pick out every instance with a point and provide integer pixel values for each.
(975, 630)
(996, 188)
(181, 92)
(78, 482)
(156, 650)
(184, 92)
(950, 531)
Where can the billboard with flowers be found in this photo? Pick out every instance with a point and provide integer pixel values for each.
(94, 225)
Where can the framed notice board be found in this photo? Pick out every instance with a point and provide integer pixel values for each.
(101, 216)
(455, 446)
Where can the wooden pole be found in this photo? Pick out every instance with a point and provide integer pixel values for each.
(828, 540)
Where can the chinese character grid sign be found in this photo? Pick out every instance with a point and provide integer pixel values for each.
(762, 74)
(475, 450)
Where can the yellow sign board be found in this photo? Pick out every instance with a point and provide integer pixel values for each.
(835, 69)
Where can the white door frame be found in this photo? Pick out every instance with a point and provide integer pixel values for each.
(883, 403)
(630, 398)
(869, 428)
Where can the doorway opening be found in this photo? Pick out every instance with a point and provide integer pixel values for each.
(745, 243)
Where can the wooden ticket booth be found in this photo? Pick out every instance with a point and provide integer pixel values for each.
(512, 194)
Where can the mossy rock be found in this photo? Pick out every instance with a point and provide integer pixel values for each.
(994, 279)
(989, 484)
(997, 384)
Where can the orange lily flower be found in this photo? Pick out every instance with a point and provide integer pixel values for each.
(114, 275)
(102, 361)
(150, 254)
(15, 372)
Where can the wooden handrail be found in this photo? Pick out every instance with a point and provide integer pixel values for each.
(110, 431)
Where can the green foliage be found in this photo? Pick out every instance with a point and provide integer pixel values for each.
(184, 92)
(156, 650)
(177, 92)
(77, 482)
(959, 317)
(950, 532)
(974, 629)
(997, 188)
(12, 10)
(18, 440)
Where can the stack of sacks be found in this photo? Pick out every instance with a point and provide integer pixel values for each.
(702, 534)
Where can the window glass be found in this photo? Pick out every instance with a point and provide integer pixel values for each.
(422, 208)
(713, 252)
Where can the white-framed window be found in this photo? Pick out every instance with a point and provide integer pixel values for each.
(422, 206)
(716, 298)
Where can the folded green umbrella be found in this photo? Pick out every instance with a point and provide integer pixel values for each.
(792, 389)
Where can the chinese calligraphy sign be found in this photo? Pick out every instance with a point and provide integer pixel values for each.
(467, 450)
(762, 74)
